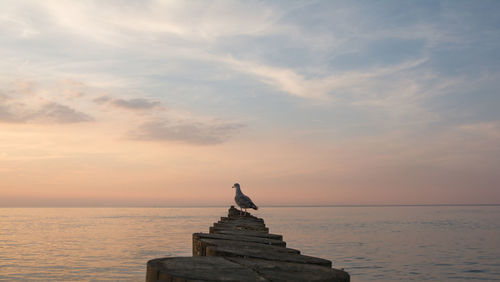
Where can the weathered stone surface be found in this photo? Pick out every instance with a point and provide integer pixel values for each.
(242, 218)
(183, 269)
(234, 223)
(217, 229)
(203, 243)
(198, 246)
(237, 269)
(285, 271)
(240, 248)
(235, 212)
(248, 233)
(227, 250)
(241, 226)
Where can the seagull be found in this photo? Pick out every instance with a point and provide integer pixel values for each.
(242, 200)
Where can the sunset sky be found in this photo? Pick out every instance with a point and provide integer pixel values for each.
(301, 102)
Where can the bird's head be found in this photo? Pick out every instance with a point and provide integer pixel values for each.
(236, 185)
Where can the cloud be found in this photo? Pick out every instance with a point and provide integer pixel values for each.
(73, 88)
(194, 21)
(58, 113)
(102, 99)
(26, 101)
(12, 111)
(136, 104)
(483, 130)
(190, 132)
(6, 114)
(3, 97)
(291, 82)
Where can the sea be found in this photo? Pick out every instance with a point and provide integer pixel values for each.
(384, 243)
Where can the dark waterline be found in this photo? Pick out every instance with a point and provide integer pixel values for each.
(261, 206)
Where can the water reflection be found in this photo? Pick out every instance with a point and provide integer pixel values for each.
(384, 243)
(397, 243)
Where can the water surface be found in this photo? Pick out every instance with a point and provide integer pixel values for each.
(372, 243)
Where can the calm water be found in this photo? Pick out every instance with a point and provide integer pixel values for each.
(371, 243)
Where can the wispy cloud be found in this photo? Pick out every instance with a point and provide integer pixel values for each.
(406, 90)
(6, 115)
(198, 21)
(36, 103)
(73, 88)
(58, 113)
(191, 132)
(26, 101)
(135, 104)
(51, 112)
(290, 82)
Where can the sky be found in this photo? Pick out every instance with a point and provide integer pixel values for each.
(169, 103)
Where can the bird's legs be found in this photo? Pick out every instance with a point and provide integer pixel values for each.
(243, 211)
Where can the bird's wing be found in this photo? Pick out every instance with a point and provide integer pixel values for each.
(246, 201)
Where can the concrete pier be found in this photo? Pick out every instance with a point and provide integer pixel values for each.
(239, 247)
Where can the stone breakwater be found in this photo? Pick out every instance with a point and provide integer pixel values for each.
(239, 247)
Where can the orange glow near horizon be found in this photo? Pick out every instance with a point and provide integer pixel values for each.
(84, 165)
(172, 102)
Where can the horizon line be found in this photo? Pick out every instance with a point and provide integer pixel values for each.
(262, 206)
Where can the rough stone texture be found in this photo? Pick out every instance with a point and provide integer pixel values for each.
(198, 245)
(237, 269)
(225, 250)
(241, 225)
(236, 212)
(219, 229)
(239, 247)
(249, 233)
(285, 271)
(203, 243)
(198, 269)
(242, 218)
